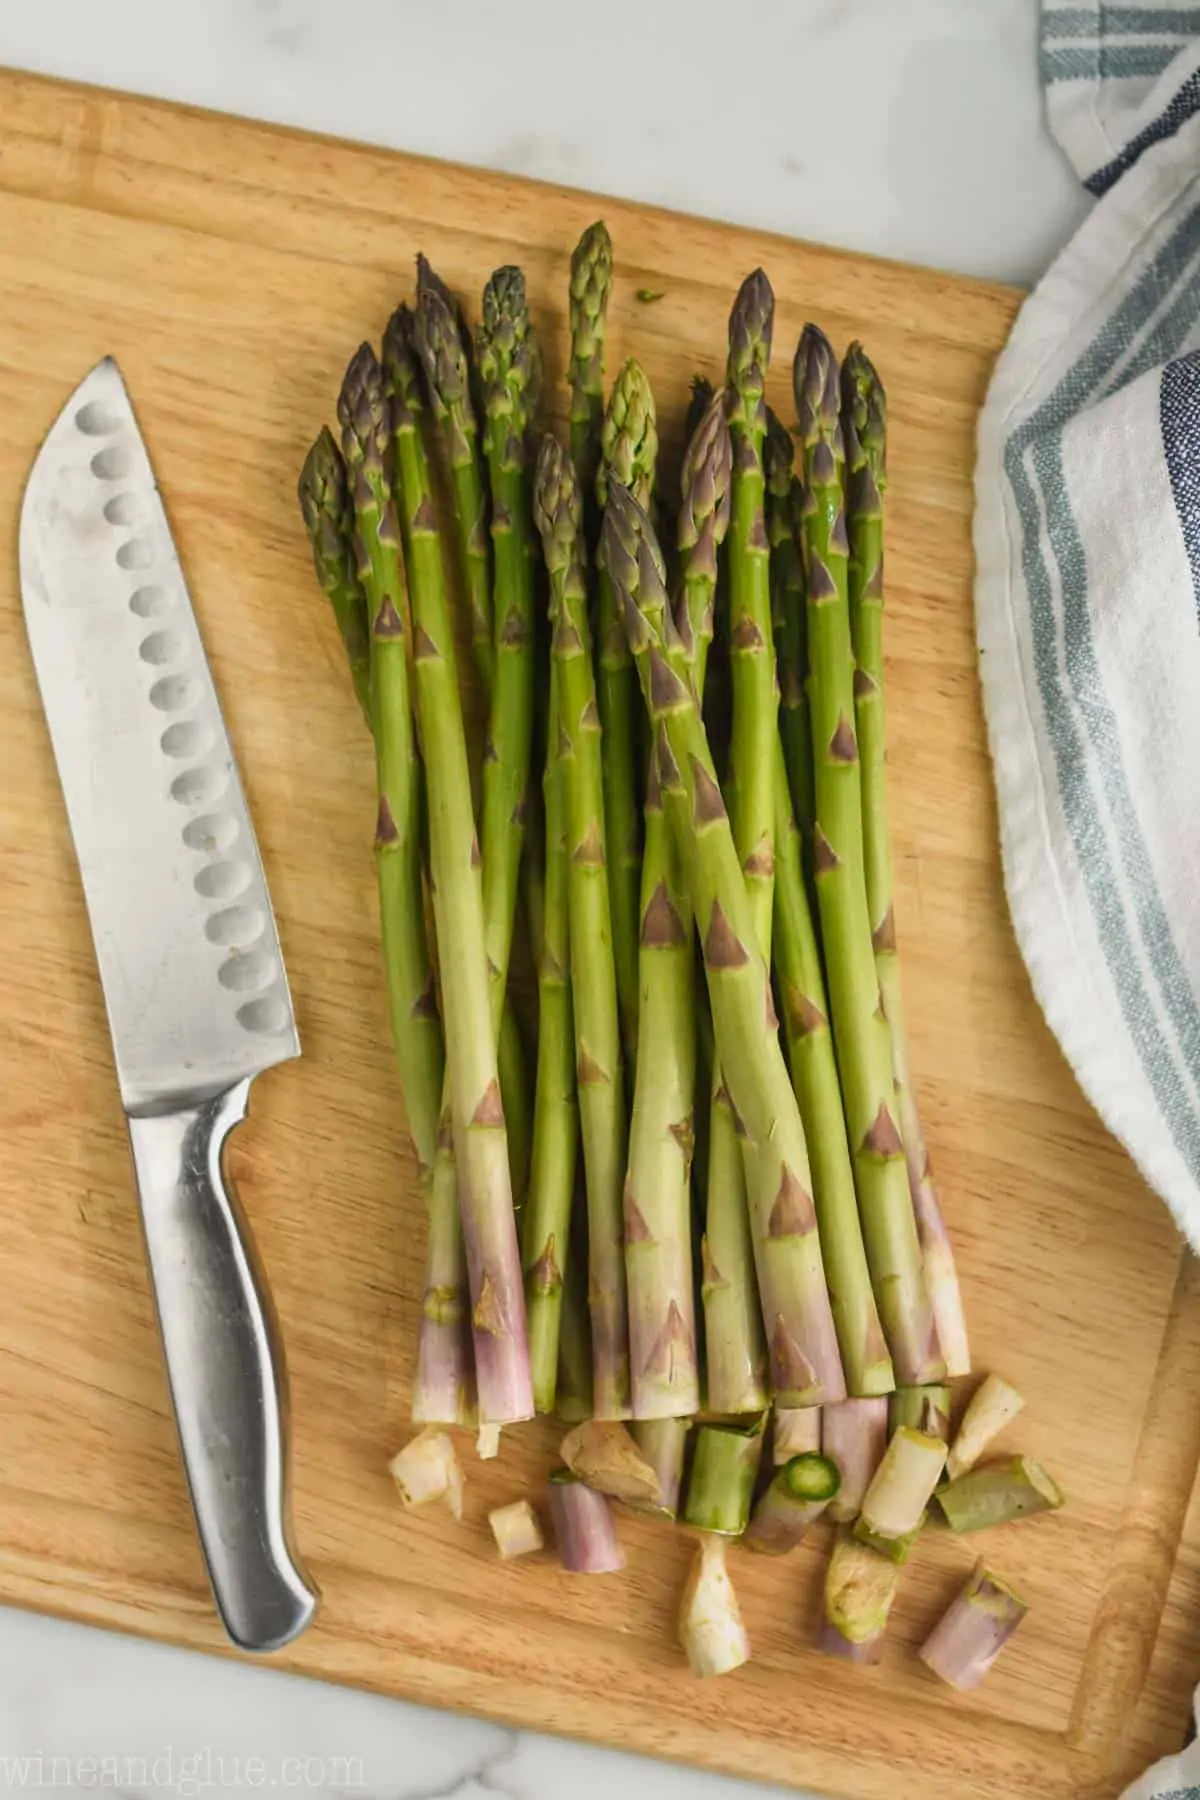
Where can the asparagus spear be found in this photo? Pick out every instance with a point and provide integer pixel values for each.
(785, 523)
(721, 1484)
(573, 1399)
(970, 1635)
(547, 1229)
(444, 1380)
(658, 1199)
(805, 1364)
(735, 1352)
(699, 401)
(864, 428)
(591, 283)
(860, 1032)
(328, 511)
(481, 1151)
(806, 1033)
(628, 454)
(995, 1493)
(441, 343)
(559, 511)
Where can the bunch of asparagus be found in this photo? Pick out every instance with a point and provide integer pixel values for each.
(713, 1197)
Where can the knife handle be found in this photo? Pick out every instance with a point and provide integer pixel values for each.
(225, 1367)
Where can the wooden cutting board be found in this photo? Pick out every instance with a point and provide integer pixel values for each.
(232, 269)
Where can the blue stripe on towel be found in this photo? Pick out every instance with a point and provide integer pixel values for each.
(1168, 122)
(1106, 62)
(1179, 416)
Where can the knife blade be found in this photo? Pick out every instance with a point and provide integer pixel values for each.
(189, 959)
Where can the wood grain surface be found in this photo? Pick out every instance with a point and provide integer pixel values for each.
(232, 269)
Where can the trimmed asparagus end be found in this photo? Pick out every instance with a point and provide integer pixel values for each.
(516, 1530)
(854, 1433)
(604, 1455)
(584, 1528)
(797, 1431)
(969, 1637)
(991, 1408)
(797, 1496)
(902, 1487)
(924, 1409)
(663, 1445)
(896, 1549)
(710, 1623)
(724, 1470)
(427, 1469)
(859, 1590)
(998, 1493)
(487, 1442)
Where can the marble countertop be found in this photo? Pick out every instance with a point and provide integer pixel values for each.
(943, 159)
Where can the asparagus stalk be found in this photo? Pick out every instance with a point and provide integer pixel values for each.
(991, 1408)
(805, 1364)
(997, 1492)
(481, 1151)
(969, 1637)
(559, 511)
(721, 1484)
(584, 1528)
(573, 1400)
(785, 524)
(860, 1587)
(797, 1430)
(801, 989)
(755, 729)
(735, 1352)
(860, 1032)
(328, 510)
(590, 286)
(547, 1226)
(796, 1498)
(628, 454)
(710, 1621)
(444, 1384)
(864, 427)
(924, 1409)
(663, 1444)
(442, 345)
(658, 1199)
(893, 1508)
(855, 1435)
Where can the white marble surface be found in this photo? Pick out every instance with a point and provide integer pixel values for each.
(910, 130)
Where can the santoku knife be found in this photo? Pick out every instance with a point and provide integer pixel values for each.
(189, 958)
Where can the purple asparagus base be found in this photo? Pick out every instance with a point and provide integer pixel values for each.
(854, 1435)
(585, 1530)
(830, 1642)
(969, 1637)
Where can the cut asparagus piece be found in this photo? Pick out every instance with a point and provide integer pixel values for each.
(516, 1530)
(860, 1587)
(559, 512)
(997, 1492)
(427, 1469)
(861, 1034)
(797, 1496)
(969, 1637)
(855, 1434)
(721, 1484)
(665, 1372)
(925, 1409)
(864, 424)
(628, 455)
(663, 1445)
(991, 1408)
(480, 1142)
(805, 1363)
(329, 520)
(710, 1622)
(893, 1507)
(797, 1430)
(801, 989)
(547, 1225)
(605, 1457)
(590, 285)
(442, 344)
(584, 1528)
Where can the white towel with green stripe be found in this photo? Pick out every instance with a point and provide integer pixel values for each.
(1087, 543)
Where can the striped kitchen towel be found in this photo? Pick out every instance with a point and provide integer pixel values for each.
(1087, 541)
